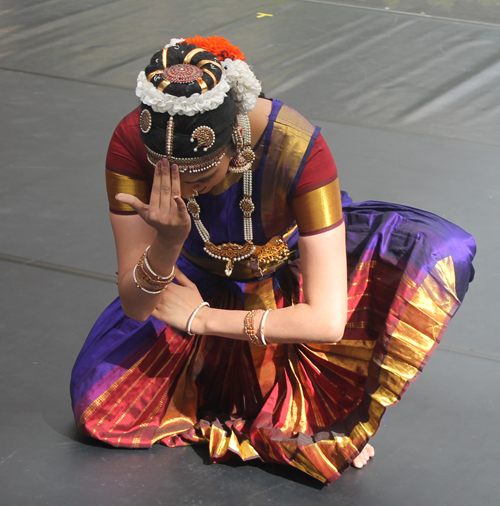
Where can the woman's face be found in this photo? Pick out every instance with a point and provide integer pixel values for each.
(203, 182)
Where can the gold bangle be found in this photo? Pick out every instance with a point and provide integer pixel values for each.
(147, 278)
(249, 326)
(151, 292)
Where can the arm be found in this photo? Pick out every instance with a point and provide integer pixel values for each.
(163, 225)
(320, 319)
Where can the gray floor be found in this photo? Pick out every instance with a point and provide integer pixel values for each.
(409, 104)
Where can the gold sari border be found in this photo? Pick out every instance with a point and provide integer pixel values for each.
(119, 183)
(318, 210)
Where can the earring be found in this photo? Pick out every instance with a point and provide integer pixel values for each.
(244, 157)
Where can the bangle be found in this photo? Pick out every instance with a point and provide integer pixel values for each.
(144, 271)
(261, 328)
(191, 318)
(151, 292)
(249, 326)
(168, 278)
(142, 274)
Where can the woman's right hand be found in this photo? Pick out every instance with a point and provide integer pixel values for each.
(166, 212)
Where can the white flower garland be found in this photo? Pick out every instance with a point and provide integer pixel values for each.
(245, 87)
(188, 106)
(237, 77)
(174, 42)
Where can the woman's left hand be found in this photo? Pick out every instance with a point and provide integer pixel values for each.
(178, 302)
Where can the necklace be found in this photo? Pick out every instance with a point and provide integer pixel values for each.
(275, 251)
(231, 252)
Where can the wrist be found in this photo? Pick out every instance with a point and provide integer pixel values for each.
(196, 322)
(169, 241)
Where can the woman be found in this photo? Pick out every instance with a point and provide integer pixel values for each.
(270, 344)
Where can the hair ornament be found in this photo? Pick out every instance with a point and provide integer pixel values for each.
(169, 138)
(189, 165)
(237, 78)
(187, 106)
(145, 121)
(245, 87)
(182, 73)
(218, 46)
(174, 43)
(205, 137)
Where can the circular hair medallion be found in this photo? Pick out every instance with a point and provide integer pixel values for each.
(145, 121)
(182, 73)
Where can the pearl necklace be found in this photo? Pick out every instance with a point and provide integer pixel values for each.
(231, 252)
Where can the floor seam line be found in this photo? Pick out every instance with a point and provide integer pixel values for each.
(39, 264)
(412, 14)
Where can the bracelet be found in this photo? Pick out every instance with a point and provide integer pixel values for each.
(168, 278)
(141, 287)
(249, 326)
(191, 318)
(261, 329)
(147, 278)
(146, 274)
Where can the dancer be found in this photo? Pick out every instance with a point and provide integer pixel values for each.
(260, 310)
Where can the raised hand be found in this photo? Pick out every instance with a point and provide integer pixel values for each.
(166, 212)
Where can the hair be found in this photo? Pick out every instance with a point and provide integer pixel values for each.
(222, 120)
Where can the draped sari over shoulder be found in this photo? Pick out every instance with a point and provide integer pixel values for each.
(313, 407)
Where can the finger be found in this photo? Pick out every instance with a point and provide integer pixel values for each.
(181, 206)
(176, 180)
(165, 187)
(139, 207)
(154, 201)
(182, 278)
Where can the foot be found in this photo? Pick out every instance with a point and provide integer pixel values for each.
(365, 455)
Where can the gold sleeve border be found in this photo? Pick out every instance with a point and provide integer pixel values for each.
(318, 209)
(118, 183)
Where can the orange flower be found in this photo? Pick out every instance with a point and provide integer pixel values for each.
(218, 46)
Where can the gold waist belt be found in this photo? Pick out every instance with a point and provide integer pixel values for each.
(265, 260)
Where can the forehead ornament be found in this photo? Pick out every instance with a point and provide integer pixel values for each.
(182, 73)
(205, 137)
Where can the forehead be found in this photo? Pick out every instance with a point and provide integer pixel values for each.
(200, 176)
(186, 177)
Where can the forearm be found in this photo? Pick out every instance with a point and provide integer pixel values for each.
(137, 303)
(300, 323)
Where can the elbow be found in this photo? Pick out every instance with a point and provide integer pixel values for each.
(332, 330)
(134, 313)
(334, 334)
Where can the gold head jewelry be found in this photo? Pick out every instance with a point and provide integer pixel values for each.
(189, 165)
(204, 136)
